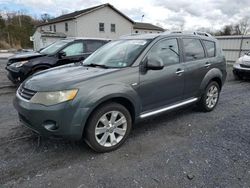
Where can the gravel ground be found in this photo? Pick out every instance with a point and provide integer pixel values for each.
(184, 148)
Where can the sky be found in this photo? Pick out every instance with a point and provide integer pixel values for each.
(170, 14)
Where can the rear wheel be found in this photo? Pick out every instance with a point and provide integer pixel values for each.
(210, 97)
(108, 127)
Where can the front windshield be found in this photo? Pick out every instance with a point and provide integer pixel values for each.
(117, 54)
(51, 49)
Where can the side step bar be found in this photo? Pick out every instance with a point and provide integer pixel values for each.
(147, 114)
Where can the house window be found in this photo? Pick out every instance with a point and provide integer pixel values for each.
(66, 27)
(112, 29)
(101, 26)
(50, 27)
(54, 28)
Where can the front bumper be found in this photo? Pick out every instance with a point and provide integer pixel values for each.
(68, 118)
(15, 74)
(241, 71)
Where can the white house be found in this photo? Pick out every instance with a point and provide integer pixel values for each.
(142, 28)
(44, 38)
(103, 21)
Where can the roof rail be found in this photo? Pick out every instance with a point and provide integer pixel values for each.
(190, 32)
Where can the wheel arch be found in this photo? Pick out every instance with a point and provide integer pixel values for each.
(123, 100)
(212, 75)
(42, 66)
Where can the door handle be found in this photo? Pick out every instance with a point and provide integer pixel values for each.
(179, 72)
(207, 65)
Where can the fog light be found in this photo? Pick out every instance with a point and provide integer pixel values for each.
(50, 125)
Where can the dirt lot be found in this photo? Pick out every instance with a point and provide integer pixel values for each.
(185, 148)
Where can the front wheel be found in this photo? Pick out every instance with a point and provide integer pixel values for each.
(210, 97)
(108, 127)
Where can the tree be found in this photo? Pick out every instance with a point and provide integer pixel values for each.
(16, 29)
(227, 30)
(242, 28)
(2, 23)
(45, 17)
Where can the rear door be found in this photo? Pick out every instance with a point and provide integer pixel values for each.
(196, 65)
(91, 46)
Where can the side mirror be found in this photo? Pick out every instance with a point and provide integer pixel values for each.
(61, 54)
(154, 63)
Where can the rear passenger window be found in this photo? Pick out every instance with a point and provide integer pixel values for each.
(166, 50)
(93, 45)
(210, 46)
(193, 49)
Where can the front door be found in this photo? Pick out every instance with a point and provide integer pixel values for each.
(72, 53)
(159, 88)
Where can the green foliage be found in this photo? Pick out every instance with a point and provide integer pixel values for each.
(15, 30)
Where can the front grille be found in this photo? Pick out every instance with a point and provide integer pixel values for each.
(245, 66)
(26, 93)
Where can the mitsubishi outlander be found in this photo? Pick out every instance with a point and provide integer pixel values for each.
(126, 80)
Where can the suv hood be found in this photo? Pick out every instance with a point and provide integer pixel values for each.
(63, 77)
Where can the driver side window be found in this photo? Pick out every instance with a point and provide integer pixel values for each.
(74, 49)
(167, 50)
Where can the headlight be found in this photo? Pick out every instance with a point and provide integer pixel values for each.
(19, 64)
(54, 97)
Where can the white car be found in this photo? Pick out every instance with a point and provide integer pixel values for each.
(241, 68)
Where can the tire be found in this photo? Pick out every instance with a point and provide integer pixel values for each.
(208, 101)
(104, 136)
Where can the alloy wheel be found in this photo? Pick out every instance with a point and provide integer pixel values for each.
(110, 128)
(212, 96)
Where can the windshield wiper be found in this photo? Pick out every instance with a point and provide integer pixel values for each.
(96, 65)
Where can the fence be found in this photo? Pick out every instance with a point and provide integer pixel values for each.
(234, 46)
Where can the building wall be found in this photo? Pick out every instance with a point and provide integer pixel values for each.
(37, 42)
(143, 31)
(234, 46)
(88, 25)
(60, 27)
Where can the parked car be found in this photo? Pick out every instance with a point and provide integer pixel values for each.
(62, 52)
(241, 68)
(126, 80)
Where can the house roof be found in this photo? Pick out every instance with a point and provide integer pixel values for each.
(147, 26)
(79, 13)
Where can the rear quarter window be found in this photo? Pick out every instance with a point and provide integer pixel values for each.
(193, 49)
(210, 47)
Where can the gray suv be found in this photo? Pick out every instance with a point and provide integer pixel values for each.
(126, 80)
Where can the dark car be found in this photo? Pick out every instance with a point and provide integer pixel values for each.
(62, 52)
(241, 68)
(126, 80)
